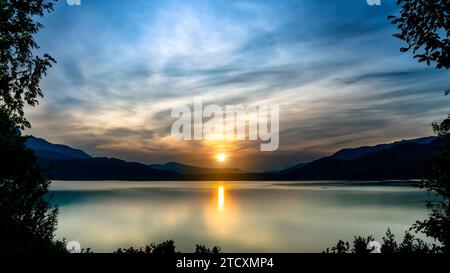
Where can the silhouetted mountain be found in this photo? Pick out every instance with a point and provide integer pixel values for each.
(51, 155)
(102, 168)
(352, 153)
(407, 160)
(62, 162)
(299, 165)
(43, 148)
(188, 169)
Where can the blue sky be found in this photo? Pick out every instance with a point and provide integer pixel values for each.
(332, 66)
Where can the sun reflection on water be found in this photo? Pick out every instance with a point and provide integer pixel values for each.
(221, 198)
(221, 213)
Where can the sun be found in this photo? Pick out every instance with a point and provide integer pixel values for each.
(221, 157)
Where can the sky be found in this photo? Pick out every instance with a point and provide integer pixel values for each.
(333, 67)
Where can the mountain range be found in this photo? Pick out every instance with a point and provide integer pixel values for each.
(406, 159)
(45, 149)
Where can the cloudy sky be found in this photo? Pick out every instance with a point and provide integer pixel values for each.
(332, 66)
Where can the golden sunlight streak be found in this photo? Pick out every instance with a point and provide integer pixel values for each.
(221, 198)
(221, 220)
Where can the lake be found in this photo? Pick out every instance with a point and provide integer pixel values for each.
(239, 216)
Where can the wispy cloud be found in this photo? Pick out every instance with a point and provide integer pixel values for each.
(333, 66)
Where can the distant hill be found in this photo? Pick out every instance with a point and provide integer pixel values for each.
(352, 153)
(45, 149)
(299, 165)
(188, 169)
(102, 168)
(62, 162)
(407, 160)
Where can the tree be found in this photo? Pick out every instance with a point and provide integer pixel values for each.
(389, 244)
(27, 219)
(425, 27)
(21, 70)
(438, 224)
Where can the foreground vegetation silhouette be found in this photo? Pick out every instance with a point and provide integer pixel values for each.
(425, 28)
(27, 219)
(167, 247)
(409, 245)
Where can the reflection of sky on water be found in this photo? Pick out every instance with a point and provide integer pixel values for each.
(238, 216)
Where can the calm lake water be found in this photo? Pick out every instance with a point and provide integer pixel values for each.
(238, 216)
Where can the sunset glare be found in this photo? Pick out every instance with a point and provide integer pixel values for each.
(221, 157)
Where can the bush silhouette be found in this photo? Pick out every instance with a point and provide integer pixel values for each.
(201, 249)
(27, 219)
(409, 245)
(167, 247)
